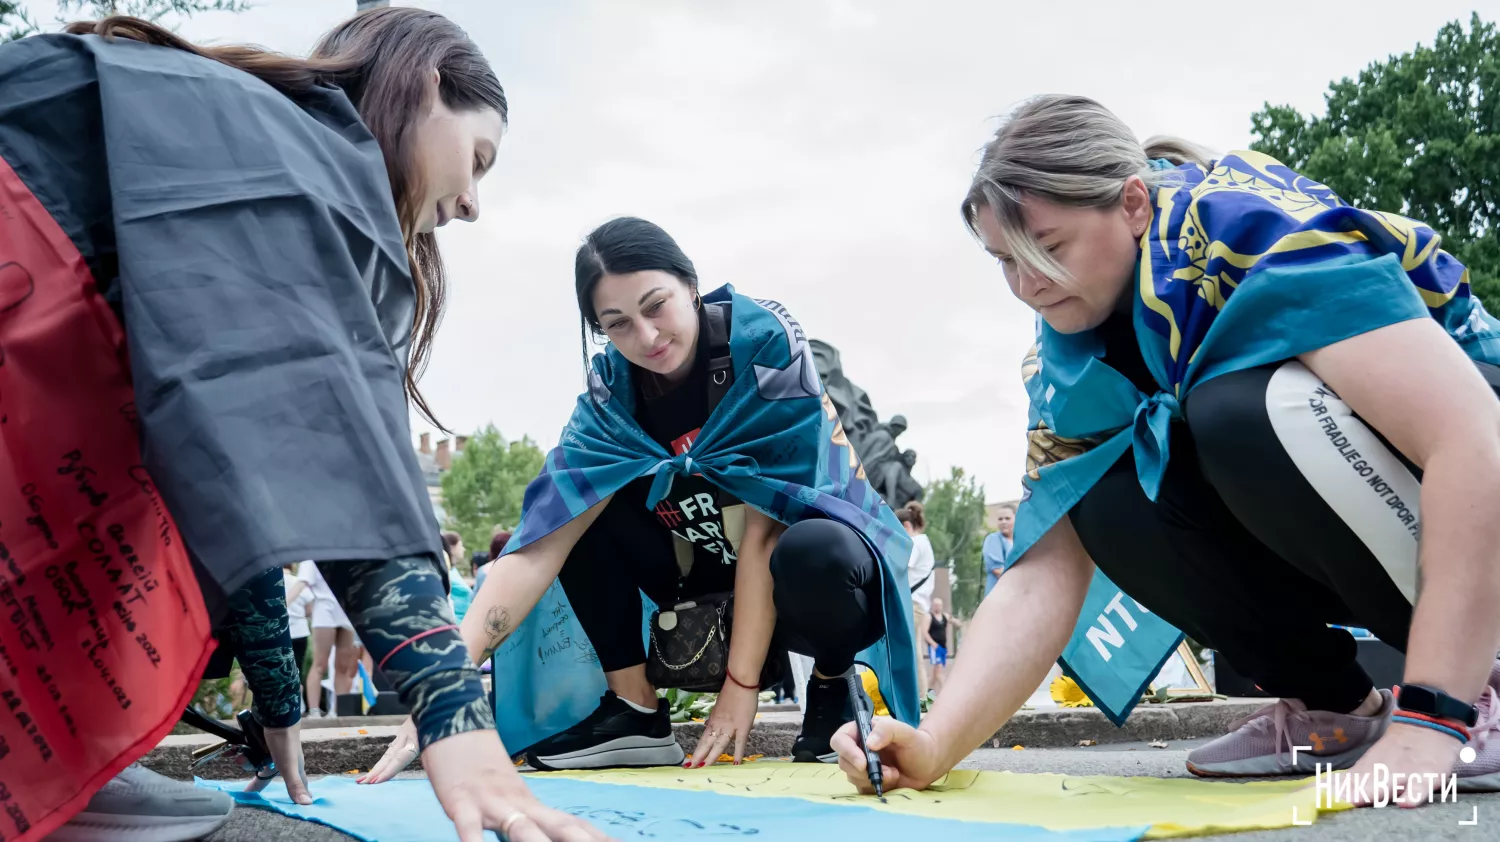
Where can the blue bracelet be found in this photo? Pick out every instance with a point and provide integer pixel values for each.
(1406, 720)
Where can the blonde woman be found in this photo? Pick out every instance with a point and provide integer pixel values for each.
(1259, 411)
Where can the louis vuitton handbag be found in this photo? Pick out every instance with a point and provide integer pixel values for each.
(690, 646)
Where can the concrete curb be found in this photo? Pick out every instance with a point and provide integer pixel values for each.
(339, 746)
(1066, 727)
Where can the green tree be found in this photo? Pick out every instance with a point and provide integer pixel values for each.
(955, 525)
(1418, 135)
(485, 486)
(16, 23)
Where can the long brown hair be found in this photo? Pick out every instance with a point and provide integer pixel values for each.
(381, 60)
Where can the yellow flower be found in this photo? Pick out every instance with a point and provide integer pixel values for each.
(1067, 693)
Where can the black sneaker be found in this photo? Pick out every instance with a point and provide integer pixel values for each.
(827, 710)
(614, 735)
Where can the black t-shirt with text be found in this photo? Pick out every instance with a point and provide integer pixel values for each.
(673, 416)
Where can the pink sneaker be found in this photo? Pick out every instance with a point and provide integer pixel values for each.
(1260, 745)
(1482, 774)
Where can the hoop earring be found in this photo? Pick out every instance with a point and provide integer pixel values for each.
(697, 302)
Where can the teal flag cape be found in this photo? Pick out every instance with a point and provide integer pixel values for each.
(774, 442)
(1245, 263)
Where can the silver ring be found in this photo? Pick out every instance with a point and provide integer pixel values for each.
(510, 820)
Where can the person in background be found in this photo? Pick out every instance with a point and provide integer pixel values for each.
(299, 606)
(997, 546)
(919, 577)
(497, 546)
(935, 638)
(331, 632)
(459, 592)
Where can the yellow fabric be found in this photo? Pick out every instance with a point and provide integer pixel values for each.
(872, 689)
(1172, 807)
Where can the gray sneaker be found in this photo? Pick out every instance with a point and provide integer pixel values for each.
(139, 805)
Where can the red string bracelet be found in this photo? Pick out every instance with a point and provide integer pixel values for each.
(731, 677)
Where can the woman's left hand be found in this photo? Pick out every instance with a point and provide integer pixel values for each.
(732, 716)
(1406, 751)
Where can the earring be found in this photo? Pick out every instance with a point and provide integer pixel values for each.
(697, 302)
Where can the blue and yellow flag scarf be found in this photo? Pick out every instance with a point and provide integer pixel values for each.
(1244, 264)
(774, 442)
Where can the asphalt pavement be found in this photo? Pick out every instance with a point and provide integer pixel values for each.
(1434, 823)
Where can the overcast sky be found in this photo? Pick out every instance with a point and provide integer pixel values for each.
(815, 152)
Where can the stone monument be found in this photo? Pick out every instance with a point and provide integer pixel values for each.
(887, 467)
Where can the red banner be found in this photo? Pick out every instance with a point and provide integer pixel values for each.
(103, 632)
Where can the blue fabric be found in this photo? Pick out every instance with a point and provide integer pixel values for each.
(774, 442)
(460, 594)
(995, 549)
(1244, 264)
(1440, 728)
(408, 811)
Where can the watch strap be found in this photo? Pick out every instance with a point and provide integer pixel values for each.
(1434, 702)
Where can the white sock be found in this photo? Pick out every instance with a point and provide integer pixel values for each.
(635, 706)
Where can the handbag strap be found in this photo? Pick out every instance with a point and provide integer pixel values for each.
(720, 363)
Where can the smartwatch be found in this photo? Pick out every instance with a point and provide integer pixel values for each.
(1421, 699)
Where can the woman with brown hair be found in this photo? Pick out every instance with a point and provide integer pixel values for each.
(219, 275)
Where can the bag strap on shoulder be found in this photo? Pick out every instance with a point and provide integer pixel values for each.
(720, 363)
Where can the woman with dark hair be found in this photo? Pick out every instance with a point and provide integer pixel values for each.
(220, 278)
(497, 546)
(705, 467)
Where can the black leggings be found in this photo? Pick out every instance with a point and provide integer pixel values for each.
(826, 587)
(1280, 512)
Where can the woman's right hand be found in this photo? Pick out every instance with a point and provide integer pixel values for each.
(481, 790)
(909, 758)
(286, 750)
(402, 751)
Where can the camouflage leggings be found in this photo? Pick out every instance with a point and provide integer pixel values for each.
(259, 634)
(390, 603)
(401, 611)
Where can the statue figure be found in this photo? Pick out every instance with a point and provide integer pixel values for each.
(887, 467)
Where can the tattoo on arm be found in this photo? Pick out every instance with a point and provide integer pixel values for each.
(497, 627)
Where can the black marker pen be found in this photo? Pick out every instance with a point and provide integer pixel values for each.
(864, 709)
